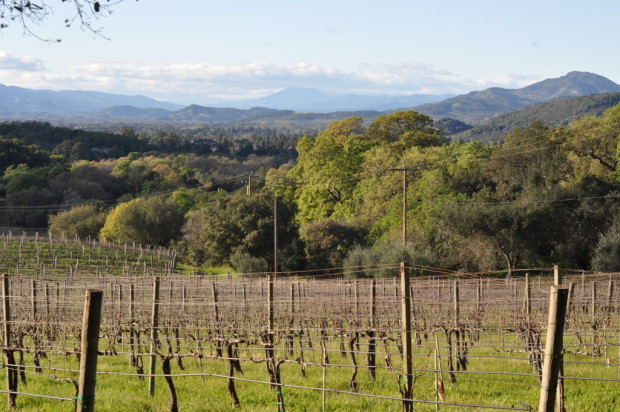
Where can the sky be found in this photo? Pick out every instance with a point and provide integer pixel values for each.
(207, 51)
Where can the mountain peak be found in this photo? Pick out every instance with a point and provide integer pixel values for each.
(578, 75)
(572, 84)
(476, 107)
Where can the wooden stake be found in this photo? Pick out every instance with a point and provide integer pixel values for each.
(89, 349)
(270, 308)
(406, 337)
(553, 348)
(11, 369)
(478, 295)
(356, 298)
(371, 355)
(456, 303)
(528, 297)
(132, 332)
(33, 298)
(154, 345)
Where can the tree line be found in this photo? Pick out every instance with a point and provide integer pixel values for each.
(546, 195)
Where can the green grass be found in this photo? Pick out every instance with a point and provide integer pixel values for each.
(128, 393)
(213, 270)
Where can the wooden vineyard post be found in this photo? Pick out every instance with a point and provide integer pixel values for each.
(553, 348)
(245, 306)
(132, 332)
(356, 297)
(456, 298)
(270, 331)
(154, 326)
(595, 322)
(571, 297)
(371, 356)
(47, 300)
(559, 398)
(216, 318)
(89, 349)
(593, 302)
(610, 293)
(272, 365)
(478, 295)
(11, 369)
(406, 337)
(528, 299)
(291, 334)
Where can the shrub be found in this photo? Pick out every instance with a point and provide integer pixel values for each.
(329, 241)
(82, 221)
(607, 253)
(378, 261)
(245, 263)
(145, 220)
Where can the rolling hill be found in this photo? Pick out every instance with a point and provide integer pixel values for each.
(555, 113)
(19, 102)
(478, 107)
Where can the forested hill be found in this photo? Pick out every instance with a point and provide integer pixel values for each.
(556, 113)
(545, 195)
(71, 142)
(476, 107)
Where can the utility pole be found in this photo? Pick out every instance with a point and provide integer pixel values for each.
(248, 189)
(404, 170)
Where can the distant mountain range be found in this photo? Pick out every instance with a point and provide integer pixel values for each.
(477, 107)
(555, 113)
(20, 102)
(304, 99)
(492, 111)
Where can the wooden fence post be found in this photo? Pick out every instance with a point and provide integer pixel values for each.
(553, 348)
(270, 315)
(478, 295)
(371, 355)
(559, 403)
(11, 369)
(132, 332)
(557, 277)
(33, 299)
(154, 326)
(216, 327)
(89, 349)
(456, 303)
(356, 297)
(406, 337)
(528, 298)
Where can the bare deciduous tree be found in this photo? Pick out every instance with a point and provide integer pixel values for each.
(30, 14)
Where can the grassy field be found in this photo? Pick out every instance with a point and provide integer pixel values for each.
(498, 371)
(129, 393)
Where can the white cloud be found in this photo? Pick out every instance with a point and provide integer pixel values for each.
(511, 81)
(201, 83)
(23, 63)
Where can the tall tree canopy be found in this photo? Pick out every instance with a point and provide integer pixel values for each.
(146, 220)
(241, 224)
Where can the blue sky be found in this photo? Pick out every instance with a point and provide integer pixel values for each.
(205, 51)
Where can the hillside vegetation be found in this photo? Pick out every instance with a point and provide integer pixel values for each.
(546, 195)
(477, 107)
(556, 113)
